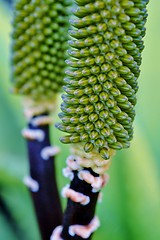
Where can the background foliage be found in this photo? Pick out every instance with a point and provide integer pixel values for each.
(131, 202)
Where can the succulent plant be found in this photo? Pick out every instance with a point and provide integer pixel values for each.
(105, 48)
(98, 108)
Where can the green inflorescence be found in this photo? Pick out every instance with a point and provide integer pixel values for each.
(39, 44)
(103, 66)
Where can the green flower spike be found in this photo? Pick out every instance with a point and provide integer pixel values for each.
(39, 41)
(39, 45)
(103, 66)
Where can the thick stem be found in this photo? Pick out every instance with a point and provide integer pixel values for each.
(76, 213)
(46, 199)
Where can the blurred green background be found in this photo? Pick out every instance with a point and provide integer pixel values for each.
(131, 202)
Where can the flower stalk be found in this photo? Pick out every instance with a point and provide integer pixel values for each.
(42, 181)
(79, 213)
(98, 108)
(38, 61)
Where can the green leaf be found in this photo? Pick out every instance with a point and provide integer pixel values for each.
(17, 201)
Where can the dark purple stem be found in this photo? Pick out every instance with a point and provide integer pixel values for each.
(75, 212)
(46, 200)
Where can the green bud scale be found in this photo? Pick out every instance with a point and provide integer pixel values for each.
(38, 47)
(103, 66)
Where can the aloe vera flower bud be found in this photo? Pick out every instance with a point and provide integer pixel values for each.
(38, 48)
(106, 41)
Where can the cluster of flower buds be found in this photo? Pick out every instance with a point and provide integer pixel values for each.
(103, 66)
(39, 46)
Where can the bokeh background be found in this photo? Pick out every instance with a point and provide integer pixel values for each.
(131, 202)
